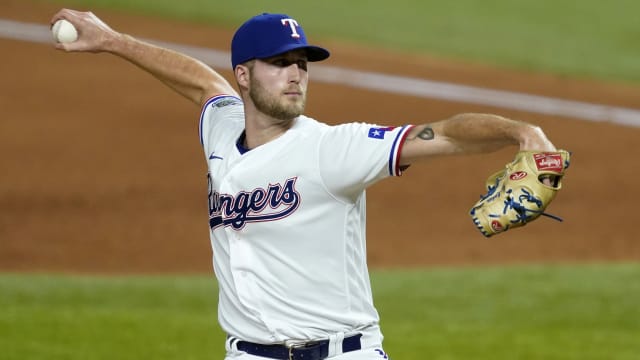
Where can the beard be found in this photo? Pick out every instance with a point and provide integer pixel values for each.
(272, 105)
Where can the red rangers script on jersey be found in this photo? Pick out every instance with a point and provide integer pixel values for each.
(548, 161)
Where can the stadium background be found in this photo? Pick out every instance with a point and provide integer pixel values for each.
(103, 174)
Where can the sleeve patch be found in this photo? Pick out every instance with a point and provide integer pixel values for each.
(379, 132)
(221, 102)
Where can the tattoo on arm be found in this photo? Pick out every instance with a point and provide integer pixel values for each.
(426, 133)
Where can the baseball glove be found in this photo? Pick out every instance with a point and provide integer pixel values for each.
(518, 194)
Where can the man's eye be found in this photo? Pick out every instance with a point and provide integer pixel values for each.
(281, 63)
(302, 64)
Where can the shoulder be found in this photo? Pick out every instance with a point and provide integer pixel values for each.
(309, 126)
(340, 132)
(306, 121)
(221, 113)
(228, 106)
(222, 106)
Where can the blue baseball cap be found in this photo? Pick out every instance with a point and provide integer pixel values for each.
(267, 35)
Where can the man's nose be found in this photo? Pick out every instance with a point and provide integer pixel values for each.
(293, 71)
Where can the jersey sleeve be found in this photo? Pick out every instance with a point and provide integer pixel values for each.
(356, 155)
(218, 113)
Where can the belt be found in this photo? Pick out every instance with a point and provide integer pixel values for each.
(313, 350)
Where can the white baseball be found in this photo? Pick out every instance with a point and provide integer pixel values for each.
(64, 31)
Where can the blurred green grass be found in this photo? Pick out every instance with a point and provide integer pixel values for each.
(97, 317)
(589, 38)
(515, 312)
(525, 312)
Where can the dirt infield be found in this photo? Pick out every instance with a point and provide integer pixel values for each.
(102, 169)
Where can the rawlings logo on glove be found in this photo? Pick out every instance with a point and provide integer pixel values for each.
(521, 192)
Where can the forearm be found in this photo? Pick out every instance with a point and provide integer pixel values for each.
(187, 76)
(471, 134)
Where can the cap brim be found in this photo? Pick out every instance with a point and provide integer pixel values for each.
(314, 53)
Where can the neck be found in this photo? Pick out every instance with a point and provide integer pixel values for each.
(261, 129)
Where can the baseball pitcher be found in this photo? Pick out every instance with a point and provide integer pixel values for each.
(286, 193)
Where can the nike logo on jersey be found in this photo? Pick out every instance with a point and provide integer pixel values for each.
(212, 156)
(273, 203)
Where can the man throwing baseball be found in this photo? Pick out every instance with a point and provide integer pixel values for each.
(286, 193)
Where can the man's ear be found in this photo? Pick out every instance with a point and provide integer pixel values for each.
(243, 76)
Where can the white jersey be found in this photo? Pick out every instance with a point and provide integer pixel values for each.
(287, 223)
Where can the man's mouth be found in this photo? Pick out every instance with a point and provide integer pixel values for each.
(293, 92)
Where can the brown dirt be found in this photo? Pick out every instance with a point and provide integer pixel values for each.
(102, 170)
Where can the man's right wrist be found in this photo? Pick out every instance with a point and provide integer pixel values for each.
(119, 44)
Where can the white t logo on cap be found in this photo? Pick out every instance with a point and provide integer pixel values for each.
(292, 24)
